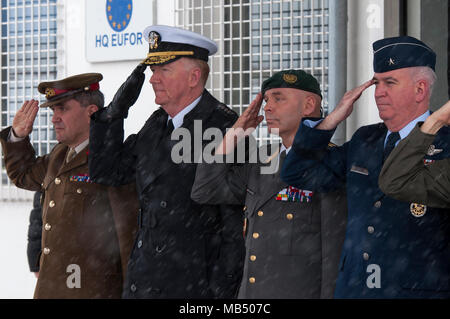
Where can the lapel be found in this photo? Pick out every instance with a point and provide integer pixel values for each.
(149, 149)
(201, 111)
(79, 160)
(56, 161)
(159, 161)
(369, 155)
(270, 184)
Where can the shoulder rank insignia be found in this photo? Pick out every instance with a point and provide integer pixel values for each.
(292, 194)
(432, 150)
(418, 210)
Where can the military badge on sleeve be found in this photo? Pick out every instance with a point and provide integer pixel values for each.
(418, 210)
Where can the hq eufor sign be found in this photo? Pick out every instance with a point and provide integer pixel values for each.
(114, 29)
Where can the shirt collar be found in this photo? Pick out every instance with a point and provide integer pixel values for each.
(80, 147)
(177, 120)
(283, 148)
(404, 132)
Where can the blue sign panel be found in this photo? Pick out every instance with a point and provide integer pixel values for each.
(118, 13)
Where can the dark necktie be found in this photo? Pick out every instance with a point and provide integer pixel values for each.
(282, 156)
(390, 144)
(169, 128)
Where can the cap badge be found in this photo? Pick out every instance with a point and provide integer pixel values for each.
(290, 78)
(49, 92)
(418, 210)
(391, 61)
(154, 39)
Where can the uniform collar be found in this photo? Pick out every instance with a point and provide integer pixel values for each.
(404, 132)
(177, 120)
(81, 146)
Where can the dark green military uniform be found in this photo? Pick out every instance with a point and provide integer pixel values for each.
(407, 177)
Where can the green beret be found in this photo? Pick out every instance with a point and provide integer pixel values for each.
(295, 79)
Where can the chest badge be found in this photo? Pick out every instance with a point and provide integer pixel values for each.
(432, 150)
(292, 194)
(417, 210)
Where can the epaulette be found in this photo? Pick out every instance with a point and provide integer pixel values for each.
(225, 109)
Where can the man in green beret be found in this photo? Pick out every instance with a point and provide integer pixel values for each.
(86, 240)
(293, 236)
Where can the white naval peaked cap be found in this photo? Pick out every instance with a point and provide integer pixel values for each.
(167, 44)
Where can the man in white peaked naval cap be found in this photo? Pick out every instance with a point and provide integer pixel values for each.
(182, 249)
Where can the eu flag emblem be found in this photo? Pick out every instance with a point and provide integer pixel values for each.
(118, 13)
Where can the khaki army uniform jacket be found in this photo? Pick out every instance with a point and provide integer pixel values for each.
(406, 176)
(81, 255)
(292, 247)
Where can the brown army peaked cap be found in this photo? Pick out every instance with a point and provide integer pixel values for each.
(59, 91)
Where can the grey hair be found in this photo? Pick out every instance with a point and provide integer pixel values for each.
(424, 73)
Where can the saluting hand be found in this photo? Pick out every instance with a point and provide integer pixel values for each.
(344, 108)
(437, 120)
(24, 118)
(244, 126)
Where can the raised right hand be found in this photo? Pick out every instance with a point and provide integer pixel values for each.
(23, 121)
(244, 126)
(127, 94)
(344, 108)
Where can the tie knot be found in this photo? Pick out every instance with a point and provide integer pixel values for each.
(170, 127)
(70, 155)
(390, 143)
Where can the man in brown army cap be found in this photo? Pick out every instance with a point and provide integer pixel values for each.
(84, 246)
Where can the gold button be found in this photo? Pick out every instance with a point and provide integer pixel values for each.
(48, 226)
(57, 181)
(79, 191)
(289, 216)
(46, 251)
(245, 208)
(255, 235)
(252, 280)
(252, 257)
(52, 203)
(260, 213)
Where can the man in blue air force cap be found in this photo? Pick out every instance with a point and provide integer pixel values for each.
(183, 249)
(392, 249)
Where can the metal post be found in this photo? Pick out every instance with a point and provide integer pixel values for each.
(337, 63)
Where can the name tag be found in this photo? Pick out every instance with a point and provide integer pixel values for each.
(359, 170)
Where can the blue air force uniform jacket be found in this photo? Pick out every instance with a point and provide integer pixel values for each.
(182, 249)
(392, 249)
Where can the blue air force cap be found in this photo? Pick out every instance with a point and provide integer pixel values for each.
(401, 52)
(167, 44)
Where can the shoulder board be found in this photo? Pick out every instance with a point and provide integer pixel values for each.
(225, 109)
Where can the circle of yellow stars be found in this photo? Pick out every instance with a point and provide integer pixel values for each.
(114, 23)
